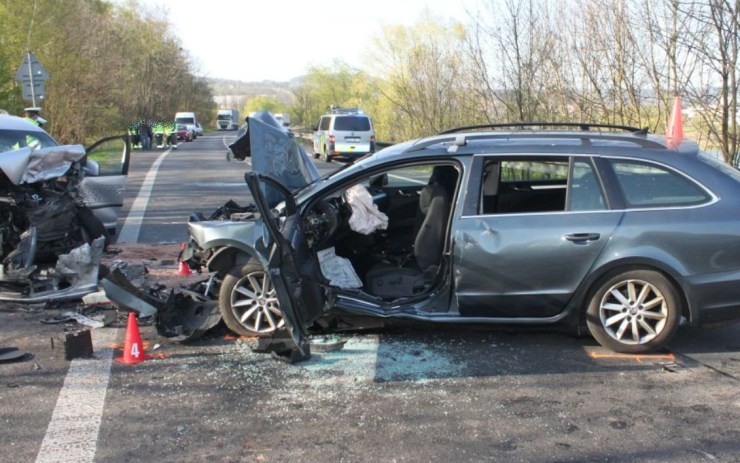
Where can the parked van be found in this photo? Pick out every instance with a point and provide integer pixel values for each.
(189, 119)
(345, 132)
(227, 119)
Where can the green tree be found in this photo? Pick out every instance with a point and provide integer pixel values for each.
(338, 84)
(109, 65)
(261, 102)
(424, 81)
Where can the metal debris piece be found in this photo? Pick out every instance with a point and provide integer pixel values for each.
(184, 316)
(127, 296)
(83, 320)
(74, 275)
(282, 347)
(327, 346)
(11, 354)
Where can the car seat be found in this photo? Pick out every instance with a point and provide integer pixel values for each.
(412, 276)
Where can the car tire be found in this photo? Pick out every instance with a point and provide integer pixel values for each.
(634, 311)
(248, 302)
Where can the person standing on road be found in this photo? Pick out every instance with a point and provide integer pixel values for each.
(145, 135)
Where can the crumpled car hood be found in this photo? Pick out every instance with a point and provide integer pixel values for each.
(27, 165)
(274, 151)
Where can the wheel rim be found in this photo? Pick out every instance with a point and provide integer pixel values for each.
(633, 312)
(255, 305)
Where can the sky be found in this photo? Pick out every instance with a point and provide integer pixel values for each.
(250, 40)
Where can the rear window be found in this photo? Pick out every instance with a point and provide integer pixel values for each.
(648, 185)
(352, 123)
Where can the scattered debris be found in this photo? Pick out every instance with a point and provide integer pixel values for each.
(184, 315)
(78, 345)
(125, 295)
(11, 354)
(98, 297)
(325, 345)
(282, 347)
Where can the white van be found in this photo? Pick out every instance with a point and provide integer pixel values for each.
(189, 119)
(345, 132)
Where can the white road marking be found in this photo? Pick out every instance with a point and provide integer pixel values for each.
(134, 219)
(72, 434)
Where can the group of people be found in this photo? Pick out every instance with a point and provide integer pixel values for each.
(145, 134)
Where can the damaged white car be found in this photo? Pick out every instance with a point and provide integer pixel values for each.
(58, 210)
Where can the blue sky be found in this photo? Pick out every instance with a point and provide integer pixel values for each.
(278, 40)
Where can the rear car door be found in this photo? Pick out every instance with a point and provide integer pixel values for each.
(104, 184)
(530, 235)
(291, 264)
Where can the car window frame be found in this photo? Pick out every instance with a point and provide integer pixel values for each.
(472, 204)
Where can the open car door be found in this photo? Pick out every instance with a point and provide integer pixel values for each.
(103, 186)
(291, 265)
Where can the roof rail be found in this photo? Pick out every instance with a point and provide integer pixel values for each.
(521, 125)
(334, 109)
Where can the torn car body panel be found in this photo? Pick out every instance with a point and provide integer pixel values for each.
(74, 275)
(274, 151)
(48, 245)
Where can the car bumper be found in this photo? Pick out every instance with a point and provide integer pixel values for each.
(714, 298)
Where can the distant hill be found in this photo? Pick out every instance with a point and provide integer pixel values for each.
(235, 93)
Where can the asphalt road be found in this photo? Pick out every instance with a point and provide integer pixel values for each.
(405, 394)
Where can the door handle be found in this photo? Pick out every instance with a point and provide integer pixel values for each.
(582, 237)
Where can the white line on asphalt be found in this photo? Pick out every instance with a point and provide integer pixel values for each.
(72, 434)
(134, 219)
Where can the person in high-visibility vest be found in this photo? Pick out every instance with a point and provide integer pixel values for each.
(33, 116)
(158, 130)
(170, 134)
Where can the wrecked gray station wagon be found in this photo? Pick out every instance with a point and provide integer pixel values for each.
(608, 229)
(58, 209)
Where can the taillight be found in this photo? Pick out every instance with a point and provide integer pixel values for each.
(332, 138)
(372, 138)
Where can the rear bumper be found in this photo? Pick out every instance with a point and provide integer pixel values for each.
(714, 299)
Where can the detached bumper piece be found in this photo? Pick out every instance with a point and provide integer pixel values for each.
(184, 316)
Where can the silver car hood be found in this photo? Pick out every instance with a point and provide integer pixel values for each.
(27, 165)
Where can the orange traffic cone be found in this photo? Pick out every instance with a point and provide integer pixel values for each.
(183, 269)
(133, 350)
(674, 132)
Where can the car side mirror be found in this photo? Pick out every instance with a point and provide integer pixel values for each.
(92, 168)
